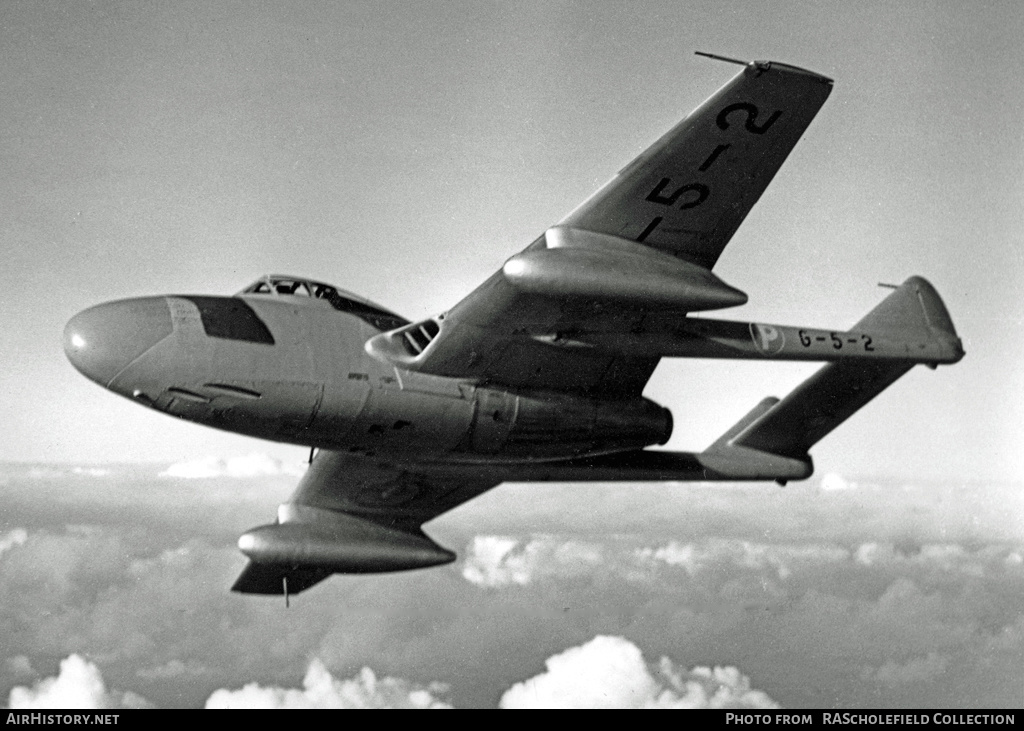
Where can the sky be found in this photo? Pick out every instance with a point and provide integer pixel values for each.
(404, 151)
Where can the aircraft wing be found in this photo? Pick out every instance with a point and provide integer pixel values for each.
(353, 514)
(357, 514)
(688, 193)
(393, 495)
(643, 243)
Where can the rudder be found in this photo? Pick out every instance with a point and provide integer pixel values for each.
(915, 309)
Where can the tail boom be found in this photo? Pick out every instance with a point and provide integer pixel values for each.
(910, 325)
(913, 315)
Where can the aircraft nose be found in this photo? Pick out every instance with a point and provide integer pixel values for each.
(102, 340)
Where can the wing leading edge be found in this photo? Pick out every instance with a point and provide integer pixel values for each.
(643, 244)
(353, 514)
(689, 191)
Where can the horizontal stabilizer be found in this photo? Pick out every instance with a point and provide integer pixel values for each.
(819, 405)
(913, 314)
(643, 465)
(734, 461)
(755, 413)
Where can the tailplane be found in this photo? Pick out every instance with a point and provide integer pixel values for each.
(787, 429)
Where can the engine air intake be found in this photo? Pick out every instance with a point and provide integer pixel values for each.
(417, 337)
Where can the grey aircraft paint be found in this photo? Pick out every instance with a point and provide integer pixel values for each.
(537, 375)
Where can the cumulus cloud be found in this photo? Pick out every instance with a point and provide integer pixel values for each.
(322, 690)
(504, 561)
(79, 684)
(496, 561)
(856, 610)
(12, 538)
(606, 672)
(610, 672)
(938, 558)
(832, 482)
(782, 560)
(255, 464)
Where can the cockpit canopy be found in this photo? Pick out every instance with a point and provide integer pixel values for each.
(276, 285)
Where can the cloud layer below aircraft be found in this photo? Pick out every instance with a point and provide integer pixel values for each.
(883, 594)
(79, 684)
(320, 689)
(255, 464)
(606, 672)
(610, 672)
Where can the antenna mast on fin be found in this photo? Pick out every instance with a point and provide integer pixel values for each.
(720, 58)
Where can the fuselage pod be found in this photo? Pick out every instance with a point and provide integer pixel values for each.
(287, 362)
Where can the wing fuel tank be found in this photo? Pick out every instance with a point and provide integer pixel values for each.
(341, 543)
(593, 266)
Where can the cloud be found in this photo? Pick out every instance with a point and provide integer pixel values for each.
(832, 482)
(323, 690)
(145, 594)
(915, 670)
(42, 472)
(497, 561)
(606, 672)
(505, 561)
(91, 471)
(255, 464)
(610, 672)
(79, 684)
(12, 538)
(50, 472)
(714, 554)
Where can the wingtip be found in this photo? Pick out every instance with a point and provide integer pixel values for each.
(790, 68)
(761, 66)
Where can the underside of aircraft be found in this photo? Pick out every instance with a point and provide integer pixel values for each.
(536, 375)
